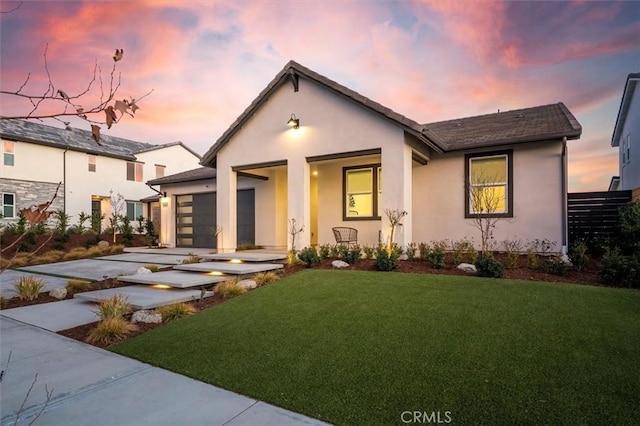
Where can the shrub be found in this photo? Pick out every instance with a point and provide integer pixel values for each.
(77, 286)
(263, 278)
(309, 255)
(325, 251)
(175, 311)
(424, 250)
(28, 287)
(55, 255)
(350, 254)
(229, 289)
(629, 228)
(114, 249)
(110, 331)
(555, 265)
(386, 259)
(152, 268)
(191, 259)
(488, 266)
(578, 255)
(76, 253)
(532, 258)
(619, 270)
(5, 263)
(127, 231)
(3, 301)
(335, 251)
(369, 252)
(436, 255)
(115, 307)
(94, 251)
(513, 249)
(412, 248)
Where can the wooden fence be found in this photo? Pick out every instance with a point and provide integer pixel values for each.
(594, 215)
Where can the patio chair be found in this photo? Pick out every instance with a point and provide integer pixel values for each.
(345, 235)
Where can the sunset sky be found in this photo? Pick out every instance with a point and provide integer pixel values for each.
(431, 61)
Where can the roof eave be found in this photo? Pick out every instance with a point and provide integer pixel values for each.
(625, 103)
(539, 138)
(66, 147)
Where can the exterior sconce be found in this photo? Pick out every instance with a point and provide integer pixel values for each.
(164, 201)
(293, 122)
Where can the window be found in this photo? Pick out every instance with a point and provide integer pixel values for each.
(489, 189)
(159, 171)
(8, 205)
(92, 162)
(362, 192)
(134, 210)
(9, 153)
(134, 171)
(628, 148)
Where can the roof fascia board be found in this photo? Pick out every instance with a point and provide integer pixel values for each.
(625, 103)
(66, 147)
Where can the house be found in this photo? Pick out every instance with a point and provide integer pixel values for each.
(315, 151)
(626, 138)
(36, 157)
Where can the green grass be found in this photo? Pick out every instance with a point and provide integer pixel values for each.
(354, 347)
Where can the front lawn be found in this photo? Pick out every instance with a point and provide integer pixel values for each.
(354, 347)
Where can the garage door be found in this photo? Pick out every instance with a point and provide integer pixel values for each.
(196, 219)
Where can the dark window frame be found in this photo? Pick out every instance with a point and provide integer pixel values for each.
(374, 188)
(2, 204)
(467, 184)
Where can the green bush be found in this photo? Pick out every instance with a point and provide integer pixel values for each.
(488, 266)
(424, 250)
(386, 260)
(578, 255)
(127, 231)
(436, 254)
(309, 255)
(555, 265)
(629, 228)
(350, 254)
(412, 248)
(619, 270)
(325, 251)
(369, 252)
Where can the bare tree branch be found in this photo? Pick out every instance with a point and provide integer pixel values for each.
(12, 10)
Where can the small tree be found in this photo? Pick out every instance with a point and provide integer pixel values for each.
(485, 204)
(294, 230)
(82, 219)
(117, 206)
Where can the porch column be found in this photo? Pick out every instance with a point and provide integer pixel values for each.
(299, 201)
(397, 184)
(226, 208)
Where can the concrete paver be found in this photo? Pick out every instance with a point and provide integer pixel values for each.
(95, 387)
(246, 256)
(88, 269)
(55, 316)
(229, 268)
(157, 259)
(10, 276)
(177, 279)
(144, 297)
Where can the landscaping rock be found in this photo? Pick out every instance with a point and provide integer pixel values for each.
(59, 293)
(403, 257)
(339, 264)
(468, 268)
(147, 317)
(103, 244)
(142, 270)
(247, 284)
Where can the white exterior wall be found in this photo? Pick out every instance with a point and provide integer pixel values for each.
(329, 124)
(39, 163)
(630, 172)
(438, 197)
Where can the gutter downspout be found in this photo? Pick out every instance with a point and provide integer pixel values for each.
(565, 208)
(64, 180)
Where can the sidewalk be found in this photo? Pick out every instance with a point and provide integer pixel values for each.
(92, 386)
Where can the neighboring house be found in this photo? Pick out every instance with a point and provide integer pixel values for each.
(343, 159)
(626, 136)
(36, 157)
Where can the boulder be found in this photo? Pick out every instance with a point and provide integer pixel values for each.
(247, 284)
(339, 264)
(59, 293)
(103, 244)
(147, 317)
(403, 257)
(468, 268)
(142, 271)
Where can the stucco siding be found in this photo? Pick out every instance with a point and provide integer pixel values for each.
(630, 170)
(438, 197)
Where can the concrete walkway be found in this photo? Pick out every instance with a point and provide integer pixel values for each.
(91, 386)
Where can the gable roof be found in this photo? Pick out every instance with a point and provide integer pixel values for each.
(625, 104)
(201, 173)
(76, 139)
(539, 123)
(291, 72)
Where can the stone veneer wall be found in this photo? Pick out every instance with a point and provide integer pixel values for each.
(29, 193)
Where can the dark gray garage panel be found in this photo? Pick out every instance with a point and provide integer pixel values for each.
(196, 219)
